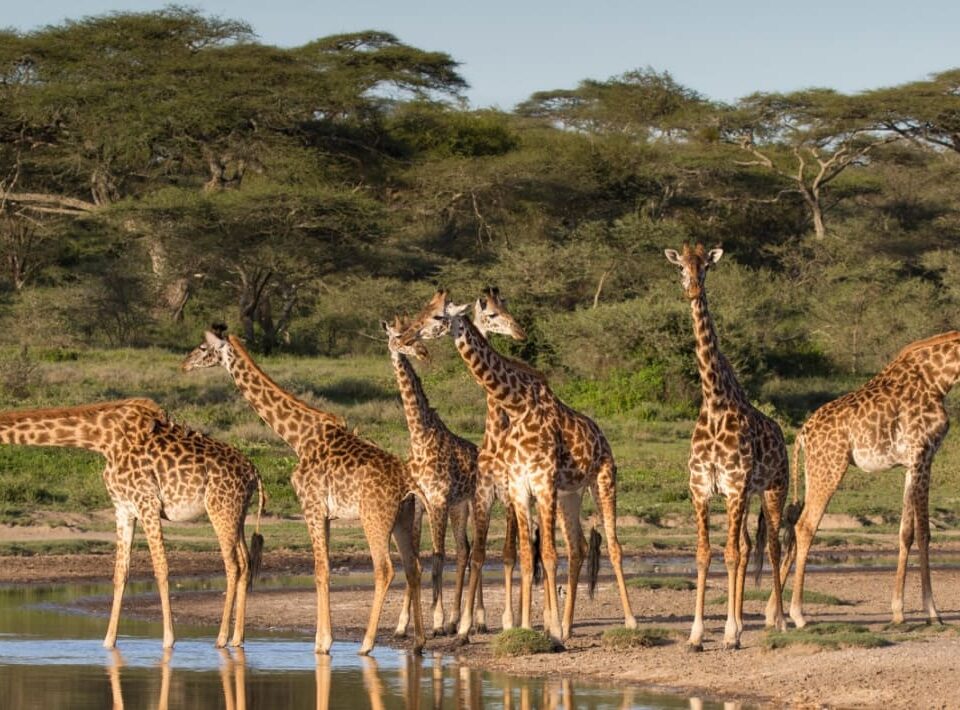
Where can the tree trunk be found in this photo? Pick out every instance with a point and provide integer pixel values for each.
(816, 210)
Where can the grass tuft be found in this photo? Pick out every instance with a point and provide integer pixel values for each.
(521, 642)
(809, 597)
(621, 639)
(680, 584)
(828, 635)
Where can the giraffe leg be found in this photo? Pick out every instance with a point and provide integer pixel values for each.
(525, 548)
(701, 504)
(227, 535)
(908, 520)
(745, 546)
(243, 583)
(150, 519)
(126, 525)
(605, 496)
(511, 536)
(824, 471)
(322, 678)
(481, 523)
(403, 536)
(318, 525)
(438, 534)
(458, 521)
(403, 621)
(547, 509)
(731, 557)
(378, 541)
(773, 501)
(922, 508)
(572, 531)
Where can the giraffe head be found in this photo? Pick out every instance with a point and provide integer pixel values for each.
(693, 265)
(435, 320)
(396, 329)
(490, 315)
(214, 350)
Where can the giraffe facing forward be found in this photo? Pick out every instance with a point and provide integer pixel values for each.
(736, 451)
(157, 469)
(338, 475)
(895, 419)
(444, 468)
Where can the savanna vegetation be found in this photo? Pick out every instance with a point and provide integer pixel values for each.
(164, 170)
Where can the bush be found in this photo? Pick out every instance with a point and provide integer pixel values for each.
(622, 639)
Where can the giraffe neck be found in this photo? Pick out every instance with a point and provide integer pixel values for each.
(416, 407)
(717, 381)
(946, 377)
(293, 421)
(100, 427)
(490, 369)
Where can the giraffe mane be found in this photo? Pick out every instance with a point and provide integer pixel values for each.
(82, 409)
(249, 362)
(949, 336)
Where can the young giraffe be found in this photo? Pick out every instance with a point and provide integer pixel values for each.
(338, 475)
(541, 448)
(157, 469)
(736, 451)
(491, 318)
(895, 419)
(444, 468)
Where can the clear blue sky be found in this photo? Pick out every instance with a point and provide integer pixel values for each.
(509, 49)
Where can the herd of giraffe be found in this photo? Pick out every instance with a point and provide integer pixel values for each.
(537, 453)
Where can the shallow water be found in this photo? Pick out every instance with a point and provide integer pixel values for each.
(51, 657)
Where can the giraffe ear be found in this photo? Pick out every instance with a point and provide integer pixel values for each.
(714, 256)
(455, 310)
(385, 326)
(672, 256)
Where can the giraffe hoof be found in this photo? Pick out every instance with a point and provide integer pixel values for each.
(730, 645)
(450, 629)
(417, 649)
(399, 634)
(482, 629)
(460, 640)
(695, 648)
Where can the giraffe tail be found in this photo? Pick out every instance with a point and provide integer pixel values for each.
(593, 561)
(792, 513)
(256, 541)
(537, 557)
(761, 542)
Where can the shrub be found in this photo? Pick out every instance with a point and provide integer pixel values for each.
(521, 642)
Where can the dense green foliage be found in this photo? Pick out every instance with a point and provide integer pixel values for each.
(162, 170)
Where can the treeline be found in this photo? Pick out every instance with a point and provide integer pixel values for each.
(162, 170)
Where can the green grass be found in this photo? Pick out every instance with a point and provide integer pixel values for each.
(829, 635)
(621, 639)
(521, 642)
(651, 455)
(676, 583)
(809, 597)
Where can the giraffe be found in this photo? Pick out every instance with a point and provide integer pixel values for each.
(338, 475)
(444, 468)
(157, 469)
(736, 451)
(895, 419)
(540, 449)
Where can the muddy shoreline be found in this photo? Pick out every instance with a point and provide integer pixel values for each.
(919, 670)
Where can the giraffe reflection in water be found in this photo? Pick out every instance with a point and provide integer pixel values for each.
(446, 683)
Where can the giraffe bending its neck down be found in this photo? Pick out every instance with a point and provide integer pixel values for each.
(444, 468)
(338, 475)
(895, 419)
(157, 469)
(541, 449)
(736, 451)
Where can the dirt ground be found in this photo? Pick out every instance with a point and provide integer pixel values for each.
(919, 670)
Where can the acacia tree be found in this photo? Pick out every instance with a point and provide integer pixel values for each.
(925, 112)
(806, 138)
